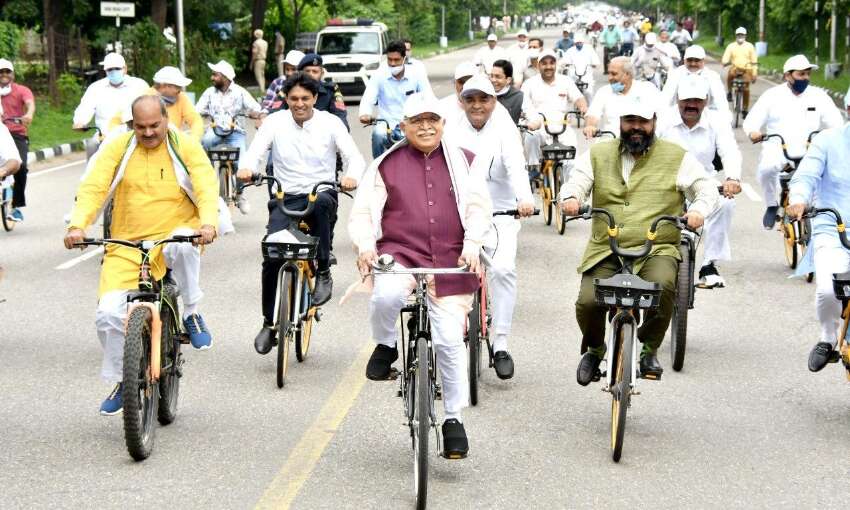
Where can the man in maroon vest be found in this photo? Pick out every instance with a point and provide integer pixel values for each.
(425, 202)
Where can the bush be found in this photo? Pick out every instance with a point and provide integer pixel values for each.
(70, 91)
(10, 40)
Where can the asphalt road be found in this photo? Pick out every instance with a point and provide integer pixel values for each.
(744, 425)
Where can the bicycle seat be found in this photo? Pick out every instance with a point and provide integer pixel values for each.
(841, 285)
(557, 151)
(222, 153)
(627, 291)
(290, 244)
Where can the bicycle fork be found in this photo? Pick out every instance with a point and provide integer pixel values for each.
(612, 334)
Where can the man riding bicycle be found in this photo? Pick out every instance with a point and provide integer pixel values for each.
(304, 143)
(822, 180)
(610, 43)
(793, 110)
(622, 88)
(161, 184)
(583, 61)
(638, 178)
(274, 99)
(108, 96)
(648, 59)
(493, 136)
(425, 203)
(694, 65)
(742, 58)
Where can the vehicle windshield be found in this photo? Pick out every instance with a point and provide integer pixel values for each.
(349, 42)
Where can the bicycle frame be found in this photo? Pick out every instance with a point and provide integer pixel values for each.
(302, 286)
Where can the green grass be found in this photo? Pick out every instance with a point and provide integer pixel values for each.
(51, 126)
(431, 49)
(775, 61)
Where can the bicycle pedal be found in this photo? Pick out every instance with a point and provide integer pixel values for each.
(453, 456)
(317, 315)
(652, 376)
(184, 338)
(393, 375)
(834, 357)
(438, 393)
(598, 375)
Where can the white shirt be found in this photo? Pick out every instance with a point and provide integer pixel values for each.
(233, 103)
(716, 90)
(646, 60)
(485, 57)
(519, 59)
(780, 111)
(9, 152)
(499, 143)
(711, 135)
(606, 105)
(541, 97)
(680, 37)
(102, 101)
(670, 50)
(304, 155)
(581, 59)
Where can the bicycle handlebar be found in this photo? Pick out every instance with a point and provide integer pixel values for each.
(139, 245)
(385, 264)
(257, 179)
(842, 233)
(599, 134)
(564, 122)
(514, 212)
(784, 145)
(586, 213)
(374, 122)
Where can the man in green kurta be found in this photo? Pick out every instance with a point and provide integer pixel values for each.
(637, 178)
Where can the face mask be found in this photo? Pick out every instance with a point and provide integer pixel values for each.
(579, 46)
(396, 70)
(740, 40)
(5, 91)
(169, 99)
(618, 87)
(799, 86)
(649, 46)
(116, 77)
(523, 45)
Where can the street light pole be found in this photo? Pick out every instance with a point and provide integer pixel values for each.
(181, 47)
(761, 20)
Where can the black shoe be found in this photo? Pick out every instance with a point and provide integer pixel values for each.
(709, 278)
(744, 113)
(728, 97)
(264, 341)
(332, 259)
(650, 368)
(324, 288)
(822, 353)
(381, 362)
(587, 368)
(770, 217)
(504, 364)
(455, 444)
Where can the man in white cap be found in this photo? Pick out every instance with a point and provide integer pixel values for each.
(495, 138)
(707, 134)
(108, 96)
(259, 50)
(582, 61)
(681, 37)
(648, 60)
(822, 181)
(18, 108)
(610, 42)
(566, 41)
(425, 203)
(606, 109)
(638, 178)
(451, 105)
(485, 56)
(741, 57)
(792, 109)
(225, 103)
(628, 35)
(668, 48)
(274, 99)
(694, 65)
(169, 83)
(552, 94)
(518, 54)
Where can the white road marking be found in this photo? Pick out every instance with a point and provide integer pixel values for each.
(76, 260)
(55, 169)
(750, 192)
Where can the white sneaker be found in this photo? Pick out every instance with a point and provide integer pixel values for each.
(242, 204)
(712, 281)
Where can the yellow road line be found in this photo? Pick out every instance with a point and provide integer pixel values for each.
(303, 459)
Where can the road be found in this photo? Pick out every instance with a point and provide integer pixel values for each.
(744, 425)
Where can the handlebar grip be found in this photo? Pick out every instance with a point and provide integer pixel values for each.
(583, 210)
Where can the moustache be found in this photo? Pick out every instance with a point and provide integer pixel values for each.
(691, 109)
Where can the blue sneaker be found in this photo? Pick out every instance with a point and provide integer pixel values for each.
(113, 403)
(198, 333)
(15, 215)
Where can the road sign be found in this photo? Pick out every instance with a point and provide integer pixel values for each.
(118, 9)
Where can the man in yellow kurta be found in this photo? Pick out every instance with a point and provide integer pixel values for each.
(741, 56)
(161, 184)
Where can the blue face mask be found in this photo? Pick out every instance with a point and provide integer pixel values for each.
(116, 76)
(579, 46)
(618, 87)
(799, 86)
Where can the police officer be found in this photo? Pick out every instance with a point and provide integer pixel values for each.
(330, 98)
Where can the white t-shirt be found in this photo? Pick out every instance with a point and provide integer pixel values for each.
(8, 151)
(606, 105)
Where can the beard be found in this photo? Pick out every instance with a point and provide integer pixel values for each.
(636, 146)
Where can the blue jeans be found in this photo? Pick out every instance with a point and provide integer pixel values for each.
(234, 139)
(379, 138)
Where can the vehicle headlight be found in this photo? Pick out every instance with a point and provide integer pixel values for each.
(372, 66)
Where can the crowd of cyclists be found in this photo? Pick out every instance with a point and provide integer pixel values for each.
(442, 166)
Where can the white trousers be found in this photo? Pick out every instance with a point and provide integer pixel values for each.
(830, 258)
(533, 141)
(448, 318)
(185, 263)
(502, 278)
(715, 233)
(771, 162)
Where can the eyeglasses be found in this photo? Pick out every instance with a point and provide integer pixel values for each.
(114, 69)
(420, 121)
(6, 71)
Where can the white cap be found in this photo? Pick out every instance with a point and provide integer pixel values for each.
(566, 28)
(547, 53)
(644, 109)
(579, 38)
(465, 69)
(651, 38)
(478, 83)
(420, 103)
(740, 30)
(492, 37)
(293, 58)
(172, 76)
(692, 87)
(113, 61)
(5, 64)
(798, 63)
(522, 31)
(224, 68)
(695, 51)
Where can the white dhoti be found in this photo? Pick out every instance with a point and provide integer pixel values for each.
(502, 277)
(771, 162)
(715, 234)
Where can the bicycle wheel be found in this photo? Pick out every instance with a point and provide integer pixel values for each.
(790, 238)
(284, 327)
(421, 423)
(139, 393)
(169, 378)
(805, 239)
(546, 193)
(561, 221)
(739, 102)
(679, 325)
(302, 336)
(621, 388)
(5, 207)
(473, 343)
(224, 190)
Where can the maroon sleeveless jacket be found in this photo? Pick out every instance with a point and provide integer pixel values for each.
(420, 226)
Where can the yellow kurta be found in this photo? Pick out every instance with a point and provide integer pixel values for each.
(181, 115)
(149, 202)
(741, 56)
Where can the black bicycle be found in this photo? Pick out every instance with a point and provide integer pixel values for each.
(153, 363)
(392, 134)
(225, 158)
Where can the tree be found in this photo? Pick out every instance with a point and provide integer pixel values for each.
(258, 14)
(159, 12)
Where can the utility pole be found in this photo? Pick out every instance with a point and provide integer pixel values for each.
(761, 44)
(444, 42)
(181, 46)
(817, 52)
(833, 31)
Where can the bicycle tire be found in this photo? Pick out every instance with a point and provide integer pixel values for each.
(139, 393)
(224, 184)
(546, 192)
(621, 389)
(473, 343)
(805, 240)
(421, 423)
(739, 105)
(302, 337)
(169, 379)
(284, 327)
(561, 224)
(8, 224)
(681, 303)
(790, 238)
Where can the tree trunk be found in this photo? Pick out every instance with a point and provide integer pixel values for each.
(297, 9)
(56, 36)
(258, 14)
(159, 12)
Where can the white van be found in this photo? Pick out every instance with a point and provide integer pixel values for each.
(351, 51)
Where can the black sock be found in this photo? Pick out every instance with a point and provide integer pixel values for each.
(323, 264)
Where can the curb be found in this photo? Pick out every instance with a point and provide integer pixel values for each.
(58, 150)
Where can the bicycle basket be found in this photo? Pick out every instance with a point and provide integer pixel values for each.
(627, 291)
(558, 152)
(224, 154)
(841, 286)
(290, 245)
